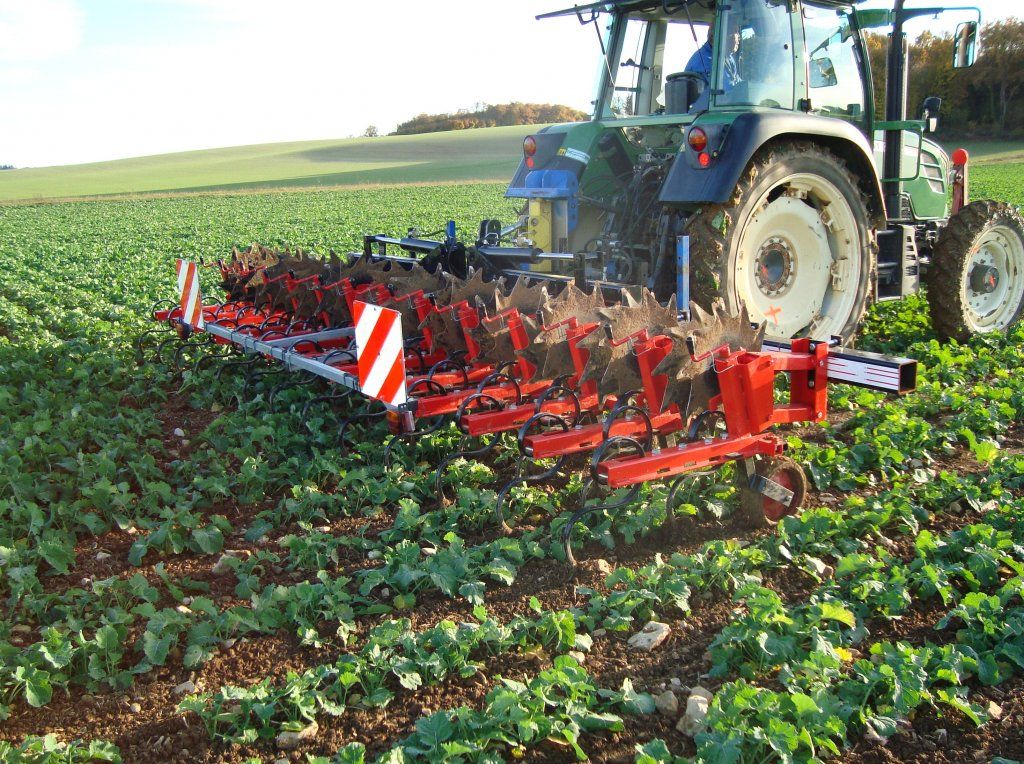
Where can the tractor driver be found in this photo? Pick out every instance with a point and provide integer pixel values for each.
(702, 61)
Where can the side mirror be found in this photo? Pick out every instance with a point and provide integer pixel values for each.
(930, 113)
(965, 44)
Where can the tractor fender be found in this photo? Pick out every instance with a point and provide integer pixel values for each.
(733, 145)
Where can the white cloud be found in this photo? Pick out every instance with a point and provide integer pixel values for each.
(38, 30)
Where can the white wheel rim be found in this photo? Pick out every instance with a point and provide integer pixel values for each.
(993, 283)
(799, 259)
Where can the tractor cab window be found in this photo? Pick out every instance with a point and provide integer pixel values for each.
(754, 63)
(629, 68)
(649, 61)
(834, 84)
(688, 66)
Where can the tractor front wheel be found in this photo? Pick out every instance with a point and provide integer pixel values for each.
(976, 279)
(795, 244)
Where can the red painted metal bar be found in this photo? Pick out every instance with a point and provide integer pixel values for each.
(436, 405)
(688, 457)
(581, 439)
(511, 418)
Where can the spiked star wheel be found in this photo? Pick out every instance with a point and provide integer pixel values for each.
(549, 351)
(445, 334)
(476, 287)
(364, 268)
(495, 339)
(527, 297)
(408, 280)
(691, 385)
(621, 372)
(598, 344)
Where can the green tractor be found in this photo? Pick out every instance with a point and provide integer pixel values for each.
(757, 170)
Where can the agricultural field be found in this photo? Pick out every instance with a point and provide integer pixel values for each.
(463, 155)
(194, 567)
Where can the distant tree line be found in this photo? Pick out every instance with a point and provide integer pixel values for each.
(6, 166)
(487, 115)
(986, 100)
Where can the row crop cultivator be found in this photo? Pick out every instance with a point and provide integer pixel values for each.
(797, 201)
(634, 390)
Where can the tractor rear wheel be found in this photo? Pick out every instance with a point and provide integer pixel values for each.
(795, 243)
(976, 279)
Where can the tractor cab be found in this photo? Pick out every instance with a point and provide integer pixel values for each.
(687, 58)
(683, 88)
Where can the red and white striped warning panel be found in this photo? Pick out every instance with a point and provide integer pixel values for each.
(380, 354)
(188, 291)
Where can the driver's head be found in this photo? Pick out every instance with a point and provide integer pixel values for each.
(732, 36)
(732, 40)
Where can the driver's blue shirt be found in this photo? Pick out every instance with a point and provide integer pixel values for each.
(701, 62)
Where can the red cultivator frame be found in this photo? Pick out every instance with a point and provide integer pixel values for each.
(665, 401)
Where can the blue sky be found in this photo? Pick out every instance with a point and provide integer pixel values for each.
(88, 80)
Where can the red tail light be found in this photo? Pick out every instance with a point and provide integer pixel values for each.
(697, 139)
(530, 146)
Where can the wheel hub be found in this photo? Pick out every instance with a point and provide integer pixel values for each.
(773, 268)
(984, 279)
(993, 283)
(784, 268)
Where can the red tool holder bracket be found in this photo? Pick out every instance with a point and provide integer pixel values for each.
(746, 399)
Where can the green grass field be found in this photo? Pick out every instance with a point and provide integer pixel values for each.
(991, 152)
(486, 154)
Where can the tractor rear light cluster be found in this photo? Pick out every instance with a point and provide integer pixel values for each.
(704, 158)
(529, 149)
(697, 139)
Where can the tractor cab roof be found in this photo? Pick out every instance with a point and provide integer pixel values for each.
(661, 7)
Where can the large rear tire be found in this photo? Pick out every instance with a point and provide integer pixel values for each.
(795, 243)
(976, 279)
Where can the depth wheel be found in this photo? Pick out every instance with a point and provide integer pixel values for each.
(976, 280)
(759, 511)
(795, 243)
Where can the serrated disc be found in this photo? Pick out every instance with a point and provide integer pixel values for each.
(549, 351)
(692, 384)
(527, 296)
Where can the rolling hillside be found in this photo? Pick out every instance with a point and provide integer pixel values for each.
(485, 154)
(462, 155)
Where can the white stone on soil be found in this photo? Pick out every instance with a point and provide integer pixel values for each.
(692, 721)
(223, 566)
(667, 703)
(288, 740)
(650, 636)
